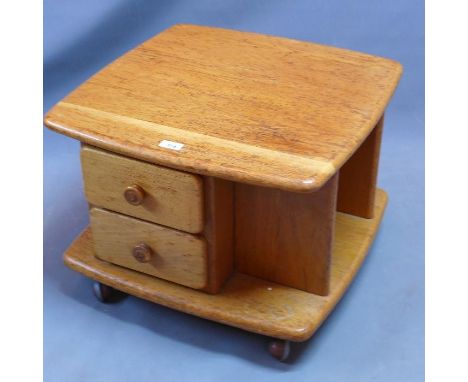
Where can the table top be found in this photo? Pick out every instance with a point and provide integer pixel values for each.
(240, 106)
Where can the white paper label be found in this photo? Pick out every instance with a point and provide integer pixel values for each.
(171, 145)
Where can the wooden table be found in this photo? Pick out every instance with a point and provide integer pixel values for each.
(231, 175)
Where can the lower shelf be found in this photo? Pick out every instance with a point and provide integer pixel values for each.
(246, 302)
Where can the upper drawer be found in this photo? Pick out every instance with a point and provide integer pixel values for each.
(161, 195)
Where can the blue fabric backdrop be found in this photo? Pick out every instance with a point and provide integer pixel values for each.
(377, 331)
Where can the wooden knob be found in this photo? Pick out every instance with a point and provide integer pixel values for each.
(142, 253)
(134, 195)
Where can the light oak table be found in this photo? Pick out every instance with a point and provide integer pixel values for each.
(231, 175)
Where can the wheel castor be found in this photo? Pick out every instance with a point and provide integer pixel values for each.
(103, 292)
(279, 349)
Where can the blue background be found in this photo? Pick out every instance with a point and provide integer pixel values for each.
(376, 332)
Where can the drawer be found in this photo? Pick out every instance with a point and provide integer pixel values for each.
(149, 248)
(146, 191)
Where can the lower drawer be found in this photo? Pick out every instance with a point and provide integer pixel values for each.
(149, 248)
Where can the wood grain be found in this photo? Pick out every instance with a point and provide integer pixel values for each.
(219, 231)
(177, 256)
(286, 237)
(249, 108)
(172, 198)
(358, 177)
(247, 302)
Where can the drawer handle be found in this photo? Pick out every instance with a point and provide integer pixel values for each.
(134, 195)
(142, 253)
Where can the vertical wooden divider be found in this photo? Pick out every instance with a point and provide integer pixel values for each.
(219, 231)
(358, 177)
(286, 237)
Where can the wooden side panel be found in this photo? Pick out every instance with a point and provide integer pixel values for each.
(358, 177)
(286, 237)
(177, 256)
(219, 231)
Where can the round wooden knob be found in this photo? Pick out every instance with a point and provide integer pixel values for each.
(134, 195)
(142, 253)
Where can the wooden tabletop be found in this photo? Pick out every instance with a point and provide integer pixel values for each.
(246, 107)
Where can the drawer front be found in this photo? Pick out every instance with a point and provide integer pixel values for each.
(146, 191)
(146, 247)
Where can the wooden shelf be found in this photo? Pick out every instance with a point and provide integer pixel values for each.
(246, 302)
